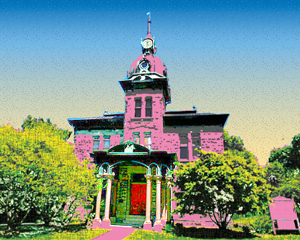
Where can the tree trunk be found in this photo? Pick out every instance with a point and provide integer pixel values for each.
(223, 226)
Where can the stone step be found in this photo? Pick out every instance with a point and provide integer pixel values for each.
(135, 217)
(133, 220)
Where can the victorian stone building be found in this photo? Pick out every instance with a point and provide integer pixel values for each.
(135, 150)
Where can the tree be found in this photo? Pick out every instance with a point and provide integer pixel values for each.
(16, 176)
(275, 174)
(220, 186)
(38, 169)
(284, 182)
(283, 170)
(288, 155)
(281, 155)
(31, 123)
(295, 153)
(232, 142)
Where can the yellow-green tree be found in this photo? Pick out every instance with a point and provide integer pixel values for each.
(39, 170)
(220, 186)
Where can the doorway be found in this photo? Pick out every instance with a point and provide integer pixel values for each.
(138, 195)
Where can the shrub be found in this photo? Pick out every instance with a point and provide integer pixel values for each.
(262, 224)
(246, 229)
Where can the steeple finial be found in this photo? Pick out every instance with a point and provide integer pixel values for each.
(149, 22)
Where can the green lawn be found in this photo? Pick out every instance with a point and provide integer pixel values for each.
(143, 234)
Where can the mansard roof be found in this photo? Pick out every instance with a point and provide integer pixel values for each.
(107, 121)
(192, 118)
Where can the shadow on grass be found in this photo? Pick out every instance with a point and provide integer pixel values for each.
(209, 233)
(39, 229)
(287, 232)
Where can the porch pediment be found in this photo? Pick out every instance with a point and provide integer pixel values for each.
(123, 149)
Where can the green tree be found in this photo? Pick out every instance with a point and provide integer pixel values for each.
(284, 182)
(295, 153)
(16, 176)
(30, 123)
(232, 142)
(275, 174)
(281, 155)
(288, 155)
(39, 169)
(236, 145)
(220, 186)
(282, 172)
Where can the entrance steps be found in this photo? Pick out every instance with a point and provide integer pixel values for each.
(133, 220)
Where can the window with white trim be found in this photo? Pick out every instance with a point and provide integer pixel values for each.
(196, 143)
(96, 143)
(106, 142)
(138, 107)
(136, 137)
(148, 107)
(184, 151)
(147, 140)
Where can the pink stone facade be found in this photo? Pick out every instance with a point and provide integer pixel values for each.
(147, 122)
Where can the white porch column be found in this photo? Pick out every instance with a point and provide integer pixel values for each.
(168, 212)
(164, 216)
(147, 223)
(158, 199)
(107, 202)
(165, 200)
(98, 205)
(97, 221)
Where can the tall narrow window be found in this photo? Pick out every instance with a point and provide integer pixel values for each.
(106, 142)
(196, 143)
(148, 107)
(147, 139)
(136, 137)
(96, 143)
(138, 107)
(184, 152)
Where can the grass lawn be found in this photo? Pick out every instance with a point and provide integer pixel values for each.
(38, 233)
(143, 234)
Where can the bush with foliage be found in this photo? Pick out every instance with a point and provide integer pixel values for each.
(262, 224)
(38, 169)
(220, 186)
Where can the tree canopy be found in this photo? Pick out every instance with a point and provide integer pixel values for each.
(289, 155)
(39, 170)
(31, 123)
(220, 186)
(232, 142)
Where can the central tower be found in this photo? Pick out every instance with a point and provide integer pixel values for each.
(147, 93)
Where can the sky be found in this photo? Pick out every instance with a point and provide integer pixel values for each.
(63, 59)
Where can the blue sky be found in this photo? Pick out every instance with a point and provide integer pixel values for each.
(62, 59)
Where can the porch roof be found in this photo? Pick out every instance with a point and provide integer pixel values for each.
(159, 157)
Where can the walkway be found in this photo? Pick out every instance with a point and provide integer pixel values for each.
(117, 233)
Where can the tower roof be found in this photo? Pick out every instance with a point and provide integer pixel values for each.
(147, 62)
(147, 71)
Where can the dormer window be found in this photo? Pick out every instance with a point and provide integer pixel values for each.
(138, 107)
(144, 66)
(148, 107)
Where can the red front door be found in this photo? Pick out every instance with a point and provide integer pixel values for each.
(138, 199)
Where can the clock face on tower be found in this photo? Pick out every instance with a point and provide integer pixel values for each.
(147, 43)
